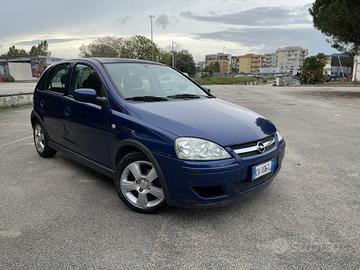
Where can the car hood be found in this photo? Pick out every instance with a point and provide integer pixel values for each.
(212, 119)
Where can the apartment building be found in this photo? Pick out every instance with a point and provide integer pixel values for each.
(223, 59)
(250, 63)
(269, 60)
(235, 64)
(290, 59)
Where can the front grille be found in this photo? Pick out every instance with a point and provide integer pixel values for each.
(251, 149)
(246, 184)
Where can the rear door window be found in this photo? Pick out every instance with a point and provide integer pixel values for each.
(56, 81)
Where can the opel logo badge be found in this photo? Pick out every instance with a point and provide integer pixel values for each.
(261, 147)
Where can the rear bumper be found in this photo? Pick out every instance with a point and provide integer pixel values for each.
(215, 183)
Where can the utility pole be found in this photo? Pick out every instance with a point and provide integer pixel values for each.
(151, 27)
(173, 53)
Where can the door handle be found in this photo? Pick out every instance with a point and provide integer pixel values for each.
(67, 111)
(42, 105)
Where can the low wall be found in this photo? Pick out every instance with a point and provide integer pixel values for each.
(14, 100)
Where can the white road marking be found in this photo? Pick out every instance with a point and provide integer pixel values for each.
(15, 141)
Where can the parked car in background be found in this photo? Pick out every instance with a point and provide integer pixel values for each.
(163, 138)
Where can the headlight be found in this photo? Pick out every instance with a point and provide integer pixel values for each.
(279, 137)
(199, 149)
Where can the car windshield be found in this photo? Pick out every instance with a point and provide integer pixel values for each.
(151, 82)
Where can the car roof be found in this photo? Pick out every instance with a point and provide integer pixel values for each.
(123, 60)
(106, 60)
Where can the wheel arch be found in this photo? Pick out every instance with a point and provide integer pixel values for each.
(34, 117)
(127, 146)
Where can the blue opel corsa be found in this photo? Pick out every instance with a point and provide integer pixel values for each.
(164, 139)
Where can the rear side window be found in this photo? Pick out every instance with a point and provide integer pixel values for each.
(41, 84)
(56, 80)
(85, 77)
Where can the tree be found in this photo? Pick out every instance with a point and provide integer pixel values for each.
(137, 47)
(14, 52)
(103, 47)
(313, 69)
(340, 21)
(213, 67)
(165, 57)
(184, 60)
(40, 49)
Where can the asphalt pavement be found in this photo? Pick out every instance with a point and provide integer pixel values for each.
(57, 214)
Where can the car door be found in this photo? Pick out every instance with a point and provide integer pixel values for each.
(49, 101)
(87, 130)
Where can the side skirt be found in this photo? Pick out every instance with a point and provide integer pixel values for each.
(83, 160)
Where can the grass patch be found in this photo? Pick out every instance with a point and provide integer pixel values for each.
(8, 108)
(225, 80)
(337, 84)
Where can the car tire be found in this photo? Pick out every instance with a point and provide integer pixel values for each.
(41, 141)
(138, 185)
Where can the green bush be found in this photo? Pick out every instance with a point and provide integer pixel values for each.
(225, 80)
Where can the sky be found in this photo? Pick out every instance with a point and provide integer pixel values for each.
(200, 26)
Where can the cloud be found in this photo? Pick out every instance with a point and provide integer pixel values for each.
(269, 39)
(260, 16)
(122, 20)
(67, 28)
(163, 20)
(49, 40)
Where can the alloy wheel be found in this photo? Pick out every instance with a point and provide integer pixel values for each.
(39, 138)
(140, 185)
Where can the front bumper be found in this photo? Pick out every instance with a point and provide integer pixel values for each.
(214, 183)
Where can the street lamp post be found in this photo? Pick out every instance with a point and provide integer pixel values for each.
(151, 26)
(173, 54)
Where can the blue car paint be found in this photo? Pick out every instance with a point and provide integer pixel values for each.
(155, 126)
(214, 119)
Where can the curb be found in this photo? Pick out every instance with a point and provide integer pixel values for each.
(15, 100)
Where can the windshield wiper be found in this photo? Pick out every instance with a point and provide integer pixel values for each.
(147, 98)
(180, 96)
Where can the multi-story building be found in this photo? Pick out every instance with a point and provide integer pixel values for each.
(223, 59)
(235, 64)
(290, 59)
(250, 63)
(269, 60)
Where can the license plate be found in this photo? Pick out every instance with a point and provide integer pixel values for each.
(262, 169)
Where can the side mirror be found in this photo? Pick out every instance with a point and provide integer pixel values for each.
(88, 95)
(207, 90)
